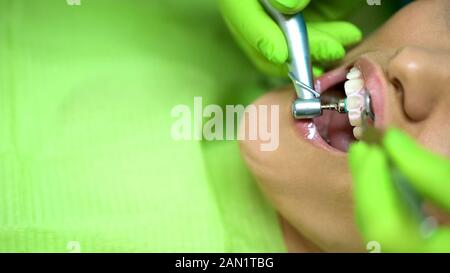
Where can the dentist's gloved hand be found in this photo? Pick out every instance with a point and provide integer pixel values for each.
(380, 213)
(264, 42)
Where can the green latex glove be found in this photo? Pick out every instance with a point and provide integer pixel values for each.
(264, 42)
(381, 214)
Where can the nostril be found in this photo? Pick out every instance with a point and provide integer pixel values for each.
(400, 94)
(399, 90)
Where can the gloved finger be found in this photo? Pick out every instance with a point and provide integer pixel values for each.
(278, 70)
(323, 47)
(267, 67)
(345, 33)
(428, 173)
(264, 65)
(248, 19)
(317, 70)
(289, 6)
(380, 214)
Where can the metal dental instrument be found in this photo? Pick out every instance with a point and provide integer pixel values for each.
(340, 106)
(308, 104)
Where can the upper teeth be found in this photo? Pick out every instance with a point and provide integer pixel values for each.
(353, 85)
(354, 89)
(354, 73)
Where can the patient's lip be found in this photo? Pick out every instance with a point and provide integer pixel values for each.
(330, 78)
(307, 128)
(309, 132)
(376, 84)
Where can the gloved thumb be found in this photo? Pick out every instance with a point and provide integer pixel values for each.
(289, 6)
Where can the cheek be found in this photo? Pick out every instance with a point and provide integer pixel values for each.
(435, 134)
(276, 170)
(296, 165)
(258, 159)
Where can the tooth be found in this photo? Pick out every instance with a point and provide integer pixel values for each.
(357, 132)
(352, 86)
(354, 102)
(354, 73)
(355, 118)
(353, 69)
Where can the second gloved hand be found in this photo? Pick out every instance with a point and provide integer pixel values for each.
(264, 42)
(382, 215)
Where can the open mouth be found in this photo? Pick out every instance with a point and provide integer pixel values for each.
(334, 127)
(334, 130)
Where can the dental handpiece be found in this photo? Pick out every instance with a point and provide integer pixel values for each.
(308, 104)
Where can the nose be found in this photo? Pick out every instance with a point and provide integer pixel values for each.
(421, 75)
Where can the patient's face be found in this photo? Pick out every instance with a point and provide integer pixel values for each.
(406, 68)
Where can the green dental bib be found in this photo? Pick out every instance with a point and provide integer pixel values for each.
(87, 162)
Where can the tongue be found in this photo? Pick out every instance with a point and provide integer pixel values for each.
(340, 141)
(340, 133)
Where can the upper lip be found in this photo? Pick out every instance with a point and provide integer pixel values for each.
(376, 84)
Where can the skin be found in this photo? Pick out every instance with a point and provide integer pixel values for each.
(311, 187)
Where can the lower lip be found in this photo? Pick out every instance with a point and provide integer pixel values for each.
(309, 132)
(307, 128)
